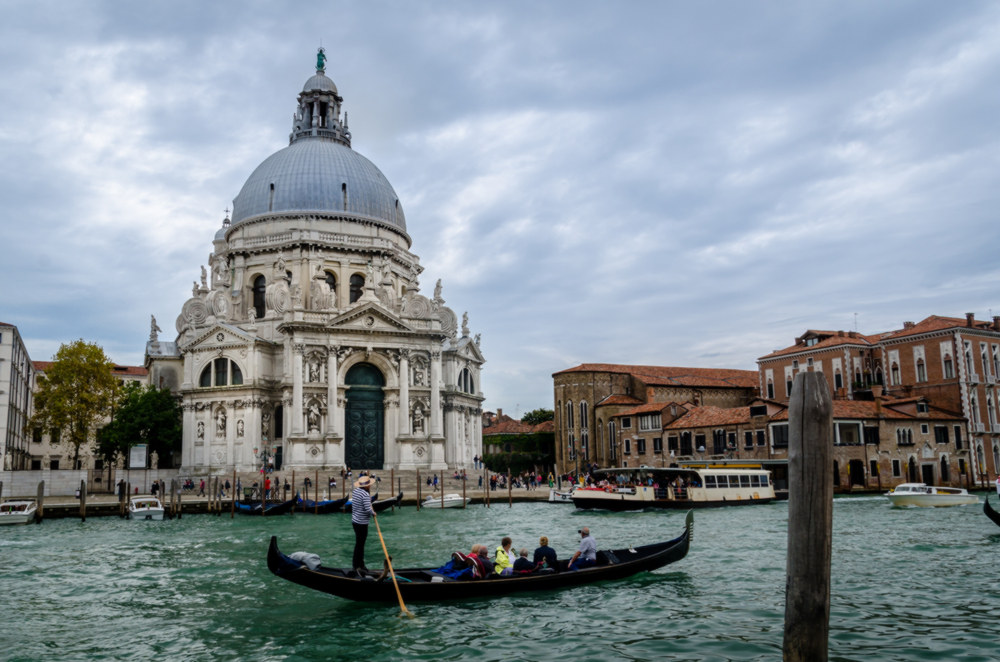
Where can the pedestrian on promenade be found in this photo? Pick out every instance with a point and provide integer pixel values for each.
(361, 514)
(201, 490)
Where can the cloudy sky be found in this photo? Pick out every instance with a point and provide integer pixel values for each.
(666, 183)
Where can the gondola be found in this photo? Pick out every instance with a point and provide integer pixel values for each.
(322, 507)
(992, 514)
(253, 507)
(423, 584)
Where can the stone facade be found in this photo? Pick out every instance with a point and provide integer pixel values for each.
(307, 343)
(17, 381)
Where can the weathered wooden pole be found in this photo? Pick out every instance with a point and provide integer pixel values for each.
(83, 500)
(510, 490)
(232, 498)
(418, 490)
(442, 490)
(810, 520)
(316, 496)
(464, 481)
(180, 502)
(40, 513)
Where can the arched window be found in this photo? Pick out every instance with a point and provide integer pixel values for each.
(331, 280)
(465, 383)
(583, 415)
(221, 372)
(612, 441)
(921, 371)
(894, 374)
(259, 286)
(569, 415)
(357, 287)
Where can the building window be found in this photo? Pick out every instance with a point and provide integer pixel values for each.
(686, 443)
(699, 443)
(894, 374)
(788, 388)
(949, 367)
(612, 441)
(770, 389)
(873, 467)
(640, 446)
(779, 435)
(357, 287)
(923, 428)
(922, 408)
(761, 438)
(838, 380)
(36, 435)
(583, 415)
(649, 422)
(626, 422)
(221, 372)
(961, 466)
(921, 371)
(848, 434)
(897, 469)
(36, 465)
(259, 288)
(958, 437)
(904, 436)
(628, 447)
(585, 443)
(672, 445)
(569, 415)
(748, 439)
(465, 383)
(657, 445)
(944, 470)
(54, 465)
(54, 436)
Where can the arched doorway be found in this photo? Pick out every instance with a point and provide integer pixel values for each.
(856, 472)
(364, 418)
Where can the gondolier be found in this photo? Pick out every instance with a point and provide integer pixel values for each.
(361, 514)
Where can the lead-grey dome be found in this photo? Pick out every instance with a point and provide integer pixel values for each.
(320, 82)
(318, 175)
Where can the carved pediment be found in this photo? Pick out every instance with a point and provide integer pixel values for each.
(368, 317)
(220, 336)
(467, 349)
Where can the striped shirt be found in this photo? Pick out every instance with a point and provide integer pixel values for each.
(361, 506)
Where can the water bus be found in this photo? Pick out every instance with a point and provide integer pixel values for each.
(625, 488)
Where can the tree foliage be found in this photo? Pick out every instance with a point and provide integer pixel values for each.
(144, 415)
(520, 452)
(536, 416)
(75, 393)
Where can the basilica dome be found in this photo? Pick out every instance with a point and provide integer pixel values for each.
(319, 173)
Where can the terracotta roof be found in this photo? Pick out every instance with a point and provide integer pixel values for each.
(701, 417)
(673, 376)
(511, 426)
(937, 323)
(619, 400)
(855, 409)
(831, 342)
(648, 408)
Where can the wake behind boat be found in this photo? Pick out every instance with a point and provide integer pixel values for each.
(929, 496)
(424, 584)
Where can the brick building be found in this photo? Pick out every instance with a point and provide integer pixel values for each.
(945, 366)
(590, 396)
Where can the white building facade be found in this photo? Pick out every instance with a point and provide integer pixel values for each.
(307, 344)
(17, 382)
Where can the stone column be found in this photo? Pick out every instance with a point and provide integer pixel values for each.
(190, 436)
(331, 390)
(436, 393)
(404, 392)
(298, 359)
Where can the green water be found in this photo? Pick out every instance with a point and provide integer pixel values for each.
(908, 584)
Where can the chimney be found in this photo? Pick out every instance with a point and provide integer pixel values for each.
(908, 325)
(499, 414)
(970, 319)
(996, 322)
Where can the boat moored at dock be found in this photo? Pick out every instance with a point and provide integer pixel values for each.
(627, 488)
(445, 501)
(145, 507)
(19, 511)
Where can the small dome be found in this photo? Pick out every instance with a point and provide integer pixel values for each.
(319, 83)
(319, 176)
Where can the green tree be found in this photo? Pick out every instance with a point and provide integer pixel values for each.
(75, 393)
(144, 415)
(536, 416)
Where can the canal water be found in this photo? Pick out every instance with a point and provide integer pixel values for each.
(908, 584)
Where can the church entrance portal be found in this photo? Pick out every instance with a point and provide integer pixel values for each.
(364, 418)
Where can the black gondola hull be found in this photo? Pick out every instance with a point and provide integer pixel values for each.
(419, 584)
(992, 514)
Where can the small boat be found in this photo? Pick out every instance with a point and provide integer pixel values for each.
(419, 584)
(381, 504)
(446, 501)
(560, 496)
(273, 508)
(992, 514)
(929, 496)
(18, 511)
(145, 507)
(675, 487)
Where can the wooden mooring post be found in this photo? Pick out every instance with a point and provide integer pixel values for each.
(40, 513)
(83, 500)
(810, 520)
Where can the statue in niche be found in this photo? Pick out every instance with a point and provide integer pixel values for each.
(319, 291)
(239, 428)
(418, 377)
(312, 417)
(313, 370)
(418, 419)
(201, 429)
(154, 329)
(220, 271)
(220, 422)
(265, 424)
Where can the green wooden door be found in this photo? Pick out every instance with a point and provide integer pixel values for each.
(364, 418)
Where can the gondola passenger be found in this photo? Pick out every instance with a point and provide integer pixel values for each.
(522, 565)
(503, 564)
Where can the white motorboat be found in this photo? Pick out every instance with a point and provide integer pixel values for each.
(626, 488)
(145, 507)
(929, 496)
(447, 501)
(560, 496)
(18, 512)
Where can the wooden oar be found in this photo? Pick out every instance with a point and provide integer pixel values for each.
(392, 573)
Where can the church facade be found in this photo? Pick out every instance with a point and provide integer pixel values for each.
(307, 343)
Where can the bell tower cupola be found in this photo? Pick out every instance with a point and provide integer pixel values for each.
(318, 114)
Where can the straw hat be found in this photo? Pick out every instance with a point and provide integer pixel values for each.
(364, 481)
